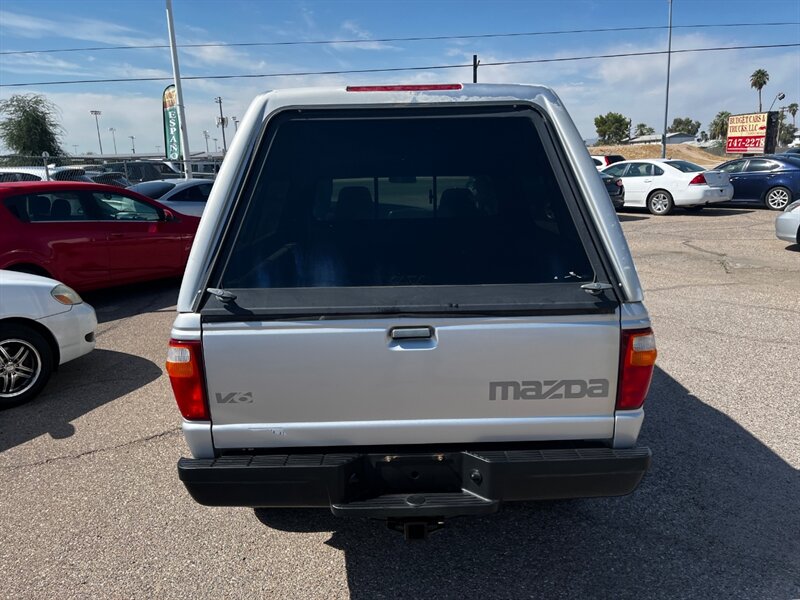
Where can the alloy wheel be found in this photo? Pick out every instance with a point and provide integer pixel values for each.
(20, 367)
(778, 198)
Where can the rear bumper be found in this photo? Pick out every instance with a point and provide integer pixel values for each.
(413, 485)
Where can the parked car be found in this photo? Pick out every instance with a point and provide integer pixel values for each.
(410, 331)
(602, 161)
(787, 225)
(187, 196)
(615, 189)
(109, 178)
(662, 184)
(772, 180)
(90, 235)
(43, 324)
(791, 151)
(11, 174)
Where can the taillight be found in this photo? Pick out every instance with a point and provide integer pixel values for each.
(186, 376)
(698, 180)
(405, 88)
(636, 369)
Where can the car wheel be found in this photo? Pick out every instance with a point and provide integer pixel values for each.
(660, 203)
(26, 363)
(777, 198)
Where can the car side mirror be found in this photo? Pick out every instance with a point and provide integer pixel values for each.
(169, 216)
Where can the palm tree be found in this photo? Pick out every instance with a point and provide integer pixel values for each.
(643, 129)
(758, 80)
(718, 128)
(792, 108)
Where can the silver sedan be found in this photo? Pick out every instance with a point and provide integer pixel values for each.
(187, 196)
(787, 225)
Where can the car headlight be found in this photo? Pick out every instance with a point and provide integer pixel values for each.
(65, 295)
(793, 206)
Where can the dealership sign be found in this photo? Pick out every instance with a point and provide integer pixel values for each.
(172, 128)
(750, 133)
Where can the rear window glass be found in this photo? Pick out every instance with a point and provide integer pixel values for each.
(685, 166)
(153, 189)
(354, 203)
(614, 158)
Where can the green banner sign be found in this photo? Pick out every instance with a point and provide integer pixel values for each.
(172, 128)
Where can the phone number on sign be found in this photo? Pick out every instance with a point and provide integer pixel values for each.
(745, 143)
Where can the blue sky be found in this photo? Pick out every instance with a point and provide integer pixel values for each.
(701, 84)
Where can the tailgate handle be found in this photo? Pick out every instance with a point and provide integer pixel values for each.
(411, 333)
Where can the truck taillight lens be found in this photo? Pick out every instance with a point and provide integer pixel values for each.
(636, 368)
(186, 376)
(698, 180)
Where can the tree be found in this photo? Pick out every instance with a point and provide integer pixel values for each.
(684, 125)
(718, 128)
(30, 126)
(785, 131)
(792, 108)
(758, 80)
(643, 129)
(612, 128)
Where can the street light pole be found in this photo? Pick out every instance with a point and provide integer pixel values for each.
(113, 137)
(206, 136)
(75, 148)
(133, 144)
(218, 100)
(779, 96)
(216, 146)
(96, 114)
(235, 124)
(666, 97)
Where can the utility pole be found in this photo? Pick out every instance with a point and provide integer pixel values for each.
(475, 63)
(221, 123)
(176, 74)
(133, 145)
(666, 99)
(96, 114)
(206, 136)
(113, 137)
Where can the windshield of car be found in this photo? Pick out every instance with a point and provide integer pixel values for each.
(153, 189)
(685, 166)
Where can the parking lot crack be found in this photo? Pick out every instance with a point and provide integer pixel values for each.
(80, 455)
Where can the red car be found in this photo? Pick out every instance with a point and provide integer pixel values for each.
(90, 236)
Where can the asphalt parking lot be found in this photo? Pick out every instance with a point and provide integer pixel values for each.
(92, 507)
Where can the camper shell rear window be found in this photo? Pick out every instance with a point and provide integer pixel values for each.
(398, 210)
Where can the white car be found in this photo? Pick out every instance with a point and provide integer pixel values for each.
(661, 184)
(787, 225)
(186, 196)
(43, 324)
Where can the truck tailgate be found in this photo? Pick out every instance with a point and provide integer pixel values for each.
(351, 382)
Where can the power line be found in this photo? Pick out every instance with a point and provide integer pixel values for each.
(404, 39)
(397, 69)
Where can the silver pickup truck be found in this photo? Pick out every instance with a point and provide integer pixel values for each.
(410, 303)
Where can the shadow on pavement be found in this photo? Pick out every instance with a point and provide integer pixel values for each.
(716, 517)
(793, 248)
(78, 387)
(626, 218)
(125, 301)
(718, 211)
